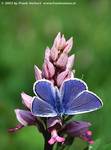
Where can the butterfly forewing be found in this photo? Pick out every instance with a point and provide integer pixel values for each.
(45, 90)
(70, 89)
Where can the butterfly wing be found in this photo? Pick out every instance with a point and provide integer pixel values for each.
(43, 104)
(70, 89)
(42, 109)
(45, 90)
(76, 98)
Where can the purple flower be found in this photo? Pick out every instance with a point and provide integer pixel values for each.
(79, 129)
(54, 125)
(25, 117)
(55, 138)
(71, 129)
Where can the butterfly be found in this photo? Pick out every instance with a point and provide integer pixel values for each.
(73, 97)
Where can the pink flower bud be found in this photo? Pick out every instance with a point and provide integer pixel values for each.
(70, 62)
(48, 69)
(62, 43)
(63, 76)
(62, 60)
(54, 53)
(27, 100)
(38, 73)
(52, 80)
(69, 45)
(57, 40)
(47, 53)
(89, 132)
(91, 142)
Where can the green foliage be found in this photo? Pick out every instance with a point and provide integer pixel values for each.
(25, 31)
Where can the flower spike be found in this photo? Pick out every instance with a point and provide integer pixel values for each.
(58, 96)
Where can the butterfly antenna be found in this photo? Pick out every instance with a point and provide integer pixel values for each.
(82, 76)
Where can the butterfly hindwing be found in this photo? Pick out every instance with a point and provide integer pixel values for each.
(42, 109)
(85, 102)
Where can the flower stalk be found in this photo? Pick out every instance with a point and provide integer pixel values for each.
(47, 146)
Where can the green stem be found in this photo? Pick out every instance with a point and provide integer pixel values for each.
(47, 146)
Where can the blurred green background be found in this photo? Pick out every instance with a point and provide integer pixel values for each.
(25, 31)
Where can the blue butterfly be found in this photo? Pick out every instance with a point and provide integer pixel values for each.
(72, 98)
